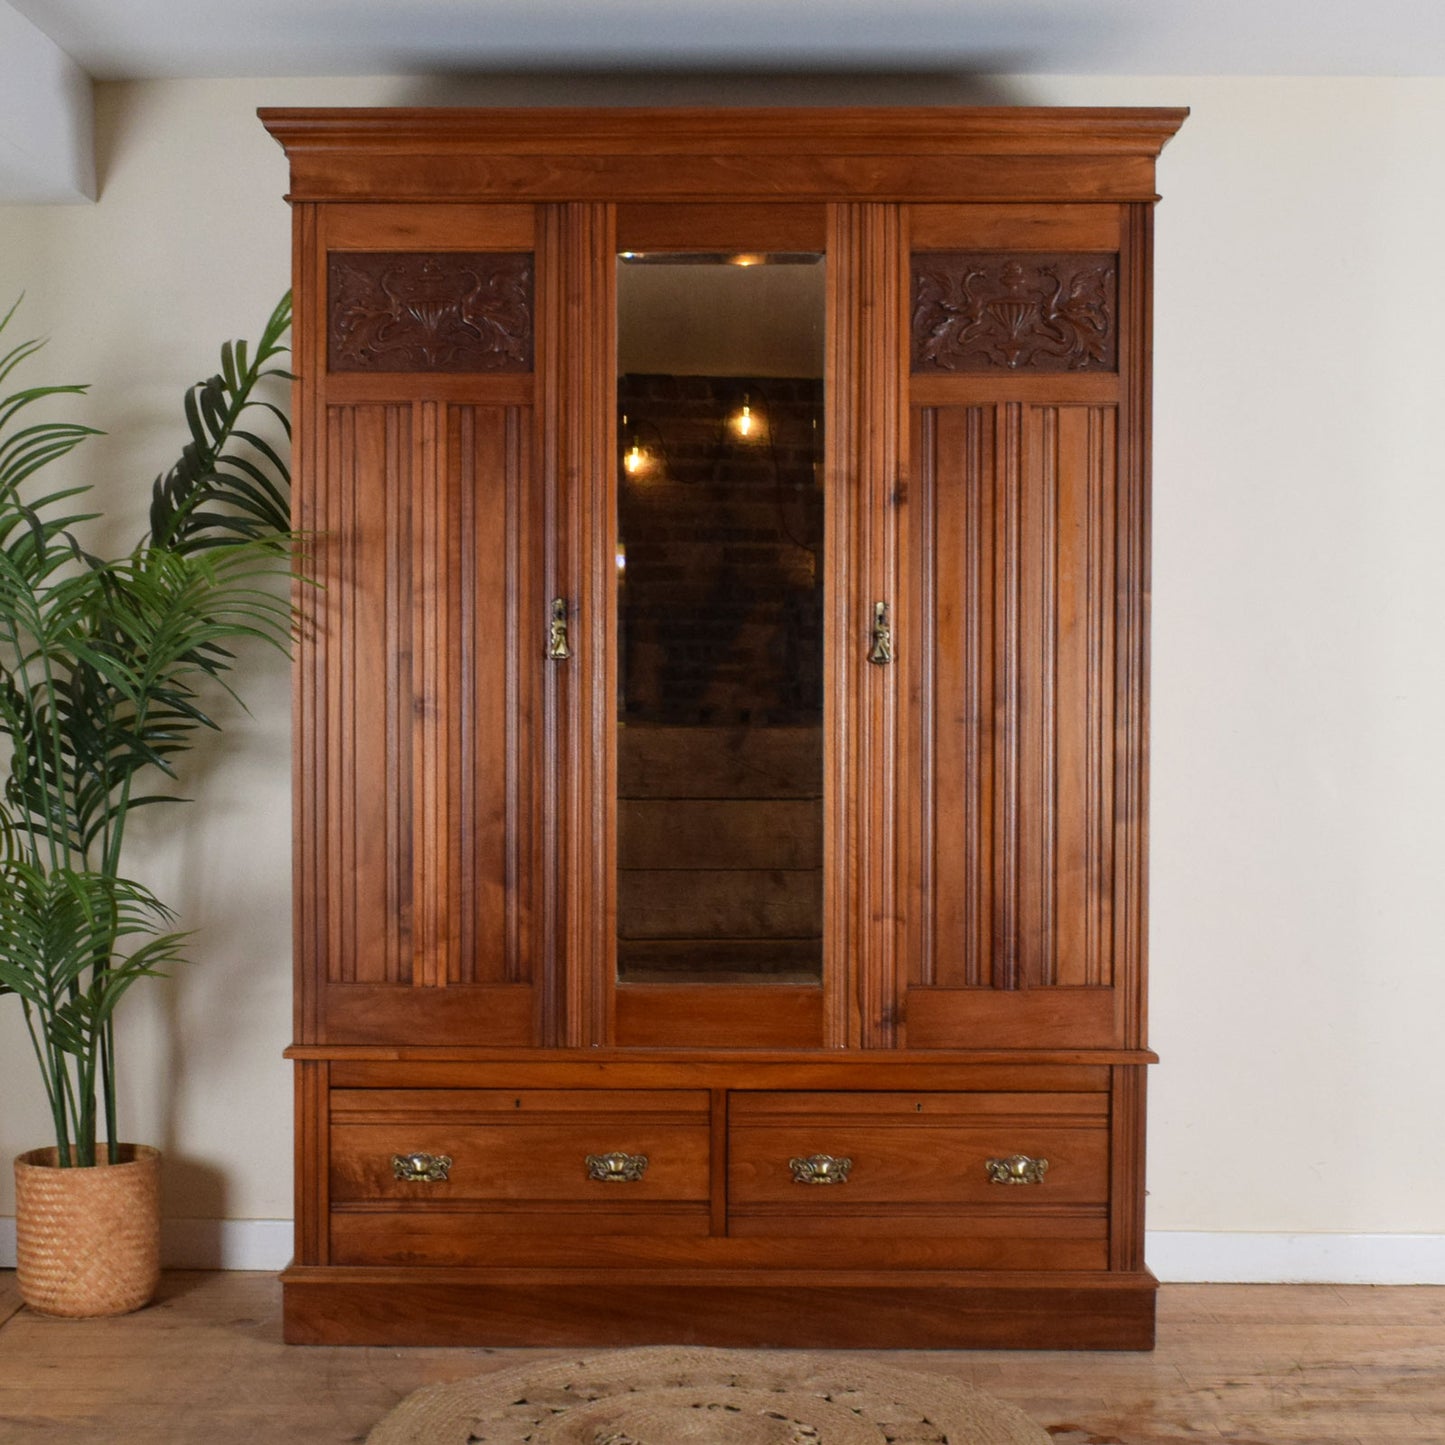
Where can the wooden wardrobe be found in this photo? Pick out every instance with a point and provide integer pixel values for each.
(721, 726)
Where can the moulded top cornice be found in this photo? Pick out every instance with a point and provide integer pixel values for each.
(979, 130)
(675, 155)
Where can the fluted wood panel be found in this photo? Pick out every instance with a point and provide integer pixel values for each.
(956, 586)
(364, 545)
(1012, 553)
(426, 545)
(1071, 453)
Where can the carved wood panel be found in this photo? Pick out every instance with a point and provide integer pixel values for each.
(450, 311)
(993, 311)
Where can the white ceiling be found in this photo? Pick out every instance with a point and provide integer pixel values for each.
(135, 39)
(51, 50)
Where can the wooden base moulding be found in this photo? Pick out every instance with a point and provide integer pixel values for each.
(575, 1309)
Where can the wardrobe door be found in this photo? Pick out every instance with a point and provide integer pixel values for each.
(715, 698)
(421, 676)
(1022, 635)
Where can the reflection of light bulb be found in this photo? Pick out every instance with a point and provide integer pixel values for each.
(621, 555)
(633, 461)
(745, 420)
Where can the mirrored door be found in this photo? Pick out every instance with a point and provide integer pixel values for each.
(720, 533)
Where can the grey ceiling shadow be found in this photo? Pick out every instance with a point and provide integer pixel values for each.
(115, 127)
(663, 86)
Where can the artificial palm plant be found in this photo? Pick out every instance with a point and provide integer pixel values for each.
(105, 667)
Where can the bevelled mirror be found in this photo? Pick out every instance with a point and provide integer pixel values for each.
(720, 529)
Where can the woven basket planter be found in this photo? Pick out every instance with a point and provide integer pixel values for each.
(88, 1240)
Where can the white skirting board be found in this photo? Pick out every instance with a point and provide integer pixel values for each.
(1186, 1257)
(264, 1244)
(1176, 1256)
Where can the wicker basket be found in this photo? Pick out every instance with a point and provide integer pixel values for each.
(88, 1240)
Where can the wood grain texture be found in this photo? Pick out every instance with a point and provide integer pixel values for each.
(647, 1236)
(308, 675)
(1131, 626)
(901, 1158)
(1019, 228)
(1126, 1162)
(679, 226)
(869, 251)
(586, 685)
(9, 1295)
(1003, 1071)
(313, 1128)
(740, 1015)
(454, 227)
(539, 1156)
(686, 155)
(927, 1310)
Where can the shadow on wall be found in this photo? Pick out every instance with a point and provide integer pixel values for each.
(662, 85)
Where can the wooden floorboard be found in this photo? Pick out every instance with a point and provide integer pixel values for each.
(9, 1295)
(1247, 1365)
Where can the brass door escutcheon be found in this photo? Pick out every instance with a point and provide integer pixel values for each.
(881, 651)
(1017, 1169)
(422, 1168)
(820, 1169)
(557, 647)
(616, 1168)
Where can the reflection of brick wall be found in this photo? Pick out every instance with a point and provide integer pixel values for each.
(722, 593)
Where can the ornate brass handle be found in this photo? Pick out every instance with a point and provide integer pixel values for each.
(422, 1168)
(616, 1168)
(1017, 1169)
(882, 650)
(820, 1169)
(557, 648)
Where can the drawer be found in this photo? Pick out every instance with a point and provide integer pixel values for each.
(919, 1153)
(509, 1147)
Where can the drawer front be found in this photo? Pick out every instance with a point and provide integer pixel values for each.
(570, 1147)
(916, 1151)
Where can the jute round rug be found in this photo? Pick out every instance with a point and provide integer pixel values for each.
(667, 1396)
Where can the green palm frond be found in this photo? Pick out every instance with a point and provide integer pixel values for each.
(29, 448)
(105, 667)
(230, 482)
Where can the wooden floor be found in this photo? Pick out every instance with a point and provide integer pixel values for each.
(1251, 1365)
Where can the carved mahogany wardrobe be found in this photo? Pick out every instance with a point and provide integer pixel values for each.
(721, 757)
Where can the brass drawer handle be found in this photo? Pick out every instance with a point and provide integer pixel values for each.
(820, 1169)
(422, 1168)
(616, 1168)
(1017, 1169)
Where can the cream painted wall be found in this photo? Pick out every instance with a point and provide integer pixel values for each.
(1299, 667)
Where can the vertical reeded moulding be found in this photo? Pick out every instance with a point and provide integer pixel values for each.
(868, 336)
(586, 683)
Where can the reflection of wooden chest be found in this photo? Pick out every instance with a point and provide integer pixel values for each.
(795, 1028)
(719, 863)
